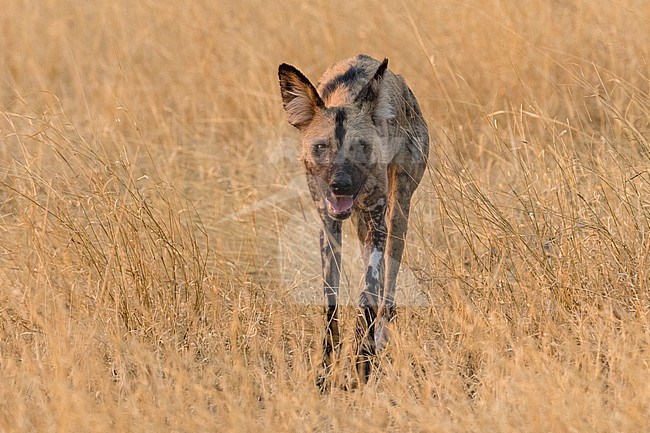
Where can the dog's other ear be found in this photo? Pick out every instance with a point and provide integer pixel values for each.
(299, 97)
(374, 96)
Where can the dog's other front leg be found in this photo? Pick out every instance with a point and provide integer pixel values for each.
(330, 246)
(402, 185)
(371, 228)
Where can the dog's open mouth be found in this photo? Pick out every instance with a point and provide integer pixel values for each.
(339, 205)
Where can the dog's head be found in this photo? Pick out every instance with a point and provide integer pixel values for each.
(341, 146)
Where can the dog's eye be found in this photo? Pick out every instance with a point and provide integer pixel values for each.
(321, 145)
(363, 145)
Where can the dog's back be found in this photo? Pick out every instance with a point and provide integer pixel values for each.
(341, 83)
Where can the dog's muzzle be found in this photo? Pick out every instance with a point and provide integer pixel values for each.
(341, 199)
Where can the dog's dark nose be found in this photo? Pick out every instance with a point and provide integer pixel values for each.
(341, 184)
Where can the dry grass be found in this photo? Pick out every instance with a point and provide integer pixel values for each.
(159, 253)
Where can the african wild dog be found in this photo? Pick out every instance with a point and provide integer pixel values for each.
(364, 146)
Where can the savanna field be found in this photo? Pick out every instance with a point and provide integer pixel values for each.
(159, 255)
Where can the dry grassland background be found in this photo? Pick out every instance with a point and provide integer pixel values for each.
(159, 252)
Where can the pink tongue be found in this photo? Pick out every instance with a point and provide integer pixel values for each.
(340, 203)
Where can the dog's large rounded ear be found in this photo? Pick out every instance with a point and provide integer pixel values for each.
(299, 97)
(375, 96)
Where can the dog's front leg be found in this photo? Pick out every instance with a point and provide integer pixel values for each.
(373, 242)
(330, 245)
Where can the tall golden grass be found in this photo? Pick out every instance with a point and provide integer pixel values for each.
(158, 250)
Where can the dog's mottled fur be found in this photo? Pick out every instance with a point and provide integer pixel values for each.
(364, 146)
